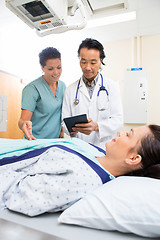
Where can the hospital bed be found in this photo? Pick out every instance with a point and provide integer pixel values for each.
(46, 227)
(124, 208)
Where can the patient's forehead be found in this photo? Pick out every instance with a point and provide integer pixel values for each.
(141, 132)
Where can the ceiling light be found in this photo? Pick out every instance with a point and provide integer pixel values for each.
(124, 17)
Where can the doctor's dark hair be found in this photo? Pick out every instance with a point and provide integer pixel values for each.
(150, 153)
(48, 53)
(90, 43)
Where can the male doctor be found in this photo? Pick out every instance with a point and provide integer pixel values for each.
(95, 96)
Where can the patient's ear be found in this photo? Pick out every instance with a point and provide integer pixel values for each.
(134, 160)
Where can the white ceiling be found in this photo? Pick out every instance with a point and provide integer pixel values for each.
(147, 23)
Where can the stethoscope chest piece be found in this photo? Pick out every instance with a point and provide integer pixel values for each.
(76, 101)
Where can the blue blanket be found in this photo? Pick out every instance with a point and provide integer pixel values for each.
(17, 147)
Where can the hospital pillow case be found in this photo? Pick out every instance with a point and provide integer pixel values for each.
(125, 204)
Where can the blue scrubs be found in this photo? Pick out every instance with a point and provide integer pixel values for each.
(38, 98)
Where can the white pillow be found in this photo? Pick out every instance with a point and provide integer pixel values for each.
(125, 204)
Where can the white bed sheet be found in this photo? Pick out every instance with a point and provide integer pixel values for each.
(47, 223)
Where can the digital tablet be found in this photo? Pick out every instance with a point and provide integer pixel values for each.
(71, 121)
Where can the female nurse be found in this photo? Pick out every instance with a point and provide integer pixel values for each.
(42, 99)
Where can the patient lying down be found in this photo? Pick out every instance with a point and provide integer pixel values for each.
(52, 178)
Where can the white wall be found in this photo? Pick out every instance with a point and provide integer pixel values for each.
(20, 46)
(120, 57)
(151, 60)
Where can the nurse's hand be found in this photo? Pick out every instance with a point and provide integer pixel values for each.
(86, 128)
(61, 135)
(27, 130)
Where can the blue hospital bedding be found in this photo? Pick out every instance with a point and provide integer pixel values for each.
(11, 147)
(48, 178)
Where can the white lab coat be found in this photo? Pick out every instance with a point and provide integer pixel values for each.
(109, 120)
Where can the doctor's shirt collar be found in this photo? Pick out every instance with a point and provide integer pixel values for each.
(90, 87)
(93, 83)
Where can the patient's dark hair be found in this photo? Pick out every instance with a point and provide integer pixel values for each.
(90, 43)
(150, 153)
(48, 53)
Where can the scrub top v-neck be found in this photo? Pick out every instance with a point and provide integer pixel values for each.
(38, 97)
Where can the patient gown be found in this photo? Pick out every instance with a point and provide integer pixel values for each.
(48, 176)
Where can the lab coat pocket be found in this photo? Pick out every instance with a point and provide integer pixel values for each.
(104, 114)
(103, 105)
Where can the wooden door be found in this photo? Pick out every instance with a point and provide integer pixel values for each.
(12, 87)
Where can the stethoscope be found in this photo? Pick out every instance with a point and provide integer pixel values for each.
(102, 88)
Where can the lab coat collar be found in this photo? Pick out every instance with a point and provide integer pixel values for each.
(83, 89)
(96, 89)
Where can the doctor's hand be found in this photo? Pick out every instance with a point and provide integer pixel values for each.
(27, 130)
(86, 128)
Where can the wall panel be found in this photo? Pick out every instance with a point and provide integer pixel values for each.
(12, 87)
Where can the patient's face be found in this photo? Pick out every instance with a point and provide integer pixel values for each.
(126, 142)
